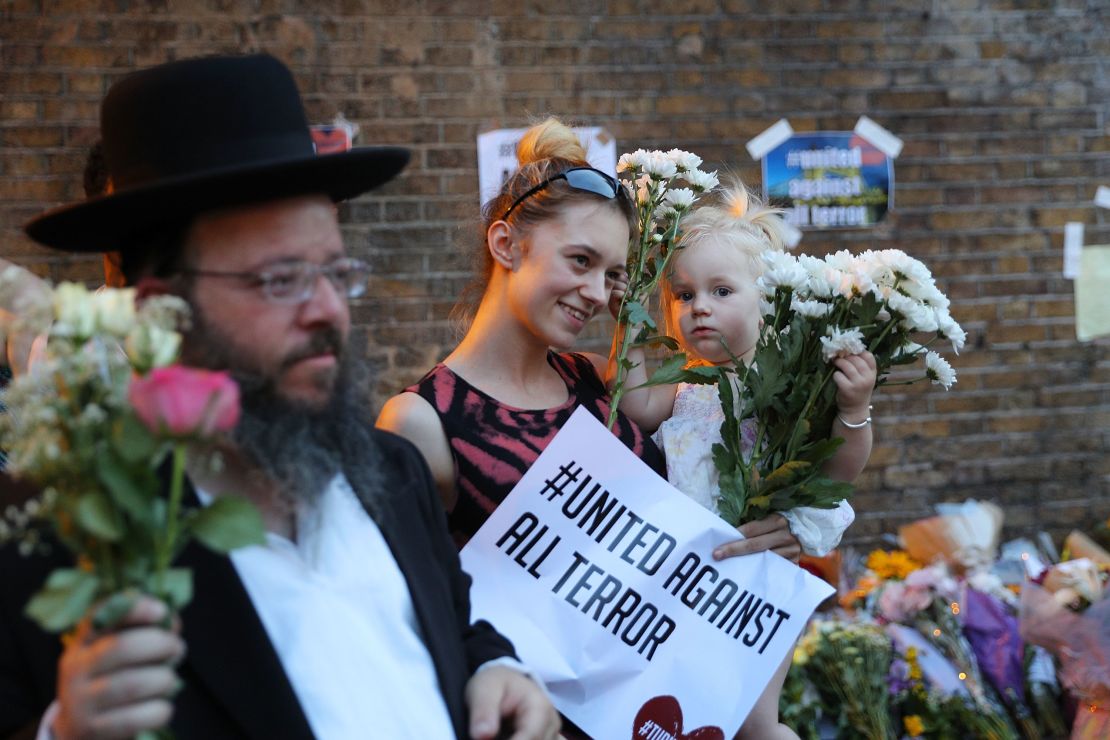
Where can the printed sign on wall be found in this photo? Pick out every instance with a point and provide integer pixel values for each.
(829, 180)
(497, 155)
(601, 574)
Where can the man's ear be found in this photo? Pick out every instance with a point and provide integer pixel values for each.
(149, 287)
(502, 246)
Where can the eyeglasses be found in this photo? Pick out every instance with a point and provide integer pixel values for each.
(295, 282)
(579, 178)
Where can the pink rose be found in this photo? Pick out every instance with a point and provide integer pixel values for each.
(185, 402)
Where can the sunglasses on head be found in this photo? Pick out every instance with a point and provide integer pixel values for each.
(579, 178)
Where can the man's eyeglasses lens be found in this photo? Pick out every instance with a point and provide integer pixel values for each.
(295, 283)
(579, 178)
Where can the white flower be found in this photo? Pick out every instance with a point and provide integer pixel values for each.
(782, 270)
(679, 198)
(950, 330)
(632, 161)
(73, 311)
(843, 260)
(915, 315)
(152, 346)
(910, 349)
(684, 161)
(765, 306)
(837, 343)
(660, 166)
(810, 309)
(938, 370)
(700, 181)
(165, 311)
(115, 310)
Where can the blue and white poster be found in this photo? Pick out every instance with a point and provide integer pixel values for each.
(832, 179)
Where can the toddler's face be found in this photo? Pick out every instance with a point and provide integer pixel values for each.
(713, 298)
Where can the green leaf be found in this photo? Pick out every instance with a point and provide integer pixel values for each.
(671, 371)
(656, 341)
(132, 440)
(227, 523)
(97, 516)
(113, 609)
(637, 314)
(64, 599)
(123, 488)
(175, 586)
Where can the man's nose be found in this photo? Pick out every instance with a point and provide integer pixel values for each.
(328, 303)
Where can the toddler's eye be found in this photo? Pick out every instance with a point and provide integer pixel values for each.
(582, 260)
(684, 296)
(723, 292)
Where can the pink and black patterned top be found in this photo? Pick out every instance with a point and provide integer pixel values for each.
(494, 444)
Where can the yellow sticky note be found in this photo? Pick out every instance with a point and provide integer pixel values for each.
(1092, 293)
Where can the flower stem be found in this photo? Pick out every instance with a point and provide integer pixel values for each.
(170, 538)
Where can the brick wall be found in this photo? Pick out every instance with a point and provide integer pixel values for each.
(1003, 105)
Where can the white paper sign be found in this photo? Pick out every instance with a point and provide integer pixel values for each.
(1073, 247)
(769, 139)
(601, 574)
(497, 155)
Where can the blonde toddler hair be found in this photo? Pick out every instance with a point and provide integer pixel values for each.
(739, 220)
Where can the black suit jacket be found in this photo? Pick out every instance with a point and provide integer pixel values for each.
(234, 683)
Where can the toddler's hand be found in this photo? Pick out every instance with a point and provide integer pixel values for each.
(620, 285)
(855, 380)
(769, 533)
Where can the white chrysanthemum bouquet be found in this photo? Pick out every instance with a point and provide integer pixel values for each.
(814, 311)
(651, 178)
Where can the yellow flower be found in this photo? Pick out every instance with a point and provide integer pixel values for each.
(894, 564)
(914, 726)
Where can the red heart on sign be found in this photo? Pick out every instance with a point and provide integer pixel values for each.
(661, 719)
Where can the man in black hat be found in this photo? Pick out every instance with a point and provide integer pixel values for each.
(353, 620)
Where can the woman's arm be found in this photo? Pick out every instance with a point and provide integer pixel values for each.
(648, 407)
(413, 418)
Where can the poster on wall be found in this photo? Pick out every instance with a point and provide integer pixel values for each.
(497, 155)
(829, 179)
(601, 573)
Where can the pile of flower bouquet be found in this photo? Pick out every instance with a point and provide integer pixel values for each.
(952, 638)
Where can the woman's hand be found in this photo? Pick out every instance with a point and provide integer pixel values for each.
(855, 380)
(769, 533)
(616, 295)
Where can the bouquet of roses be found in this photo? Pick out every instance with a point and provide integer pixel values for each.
(90, 426)
(814, 311)
(660, 206)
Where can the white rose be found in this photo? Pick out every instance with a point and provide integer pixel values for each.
(115, 310)
(73, 311)
(151, 346)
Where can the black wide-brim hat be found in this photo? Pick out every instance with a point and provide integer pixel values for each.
(201, 135)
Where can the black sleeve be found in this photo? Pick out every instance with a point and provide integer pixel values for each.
(481, 642)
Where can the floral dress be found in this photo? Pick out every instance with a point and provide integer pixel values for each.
(687, 439)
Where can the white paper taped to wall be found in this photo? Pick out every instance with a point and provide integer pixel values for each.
(1102, 196)
(883, 140)
(1073, 247)
(769, 139)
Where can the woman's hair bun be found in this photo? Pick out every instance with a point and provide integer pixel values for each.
(550, 139)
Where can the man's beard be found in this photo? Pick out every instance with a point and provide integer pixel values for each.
(299, 446)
